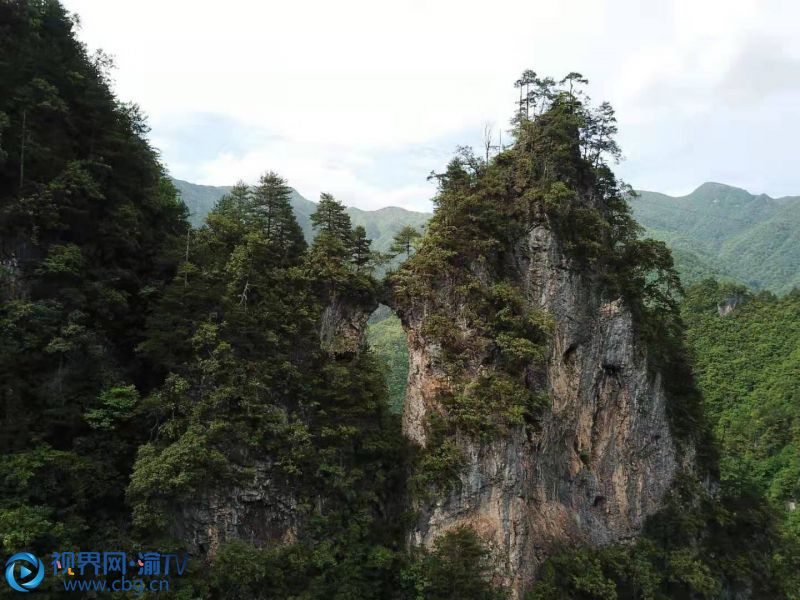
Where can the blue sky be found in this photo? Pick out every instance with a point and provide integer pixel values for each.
(364, 98)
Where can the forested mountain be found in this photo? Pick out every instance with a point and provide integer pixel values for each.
(532, 264)
(381, 225)
(211, 389)
(726, 232)
(716, 231)
(91, 232)
(746, 349)
(199, 199)
(148, 370)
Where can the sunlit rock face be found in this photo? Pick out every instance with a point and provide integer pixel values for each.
(602, 457)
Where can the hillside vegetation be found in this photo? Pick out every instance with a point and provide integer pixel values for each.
(717, 231)
(91, 233)
(748, 367)
(727, 233)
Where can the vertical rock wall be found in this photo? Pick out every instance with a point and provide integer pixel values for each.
(602, 458)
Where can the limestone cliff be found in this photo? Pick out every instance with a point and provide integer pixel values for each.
(602, 455)
(343, 325)
(260, 511)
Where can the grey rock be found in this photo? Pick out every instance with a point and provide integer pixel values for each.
(264, 510)
(727, 306)
(603, 457)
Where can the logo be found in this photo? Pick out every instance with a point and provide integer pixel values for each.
(30, 572)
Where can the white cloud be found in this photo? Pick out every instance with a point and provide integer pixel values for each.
(313, 170)
(342, 95)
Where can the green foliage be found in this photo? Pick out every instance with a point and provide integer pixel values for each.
(272, 213)
(339, 250)
(458, 568)
(747, 367)
(251, 386)
(143, 365)
(492, 341)
(403, 241)
(438, 466)
(745, 349)
(689, 550)
(716, 231)
(90, 231)
(331, 219)
(362, 256)
(146, 367)
(573, 576)
(46, 494)
(116, 405)
(380, 225)
(388, 340)
(493, 403)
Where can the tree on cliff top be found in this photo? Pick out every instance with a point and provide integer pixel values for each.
(404, 239)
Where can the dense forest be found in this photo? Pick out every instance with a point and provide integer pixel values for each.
(91, 233)
(745, 348)
(157, 373)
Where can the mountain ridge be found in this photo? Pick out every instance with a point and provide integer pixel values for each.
(724, 231)
(717, 230)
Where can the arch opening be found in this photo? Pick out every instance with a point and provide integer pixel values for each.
(388, 341)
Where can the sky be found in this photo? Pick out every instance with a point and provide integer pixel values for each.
(363, 99)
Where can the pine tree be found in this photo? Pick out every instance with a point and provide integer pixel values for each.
(331, 219)
(91, 231)
(272, 208)
(362, 254)
(236, 204)
(403, 241)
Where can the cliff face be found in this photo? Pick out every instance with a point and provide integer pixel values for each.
(602, 456)
(343, 325)
(260, 511)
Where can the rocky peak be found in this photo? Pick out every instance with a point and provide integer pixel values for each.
(595, 460)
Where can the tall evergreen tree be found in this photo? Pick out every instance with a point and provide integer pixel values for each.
(331, 219)
(403, 241)
(362, 254)
(333, 244)
(271, 205)
(237, 204)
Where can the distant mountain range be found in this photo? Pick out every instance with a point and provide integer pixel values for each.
(716, 231)
(728, 233)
